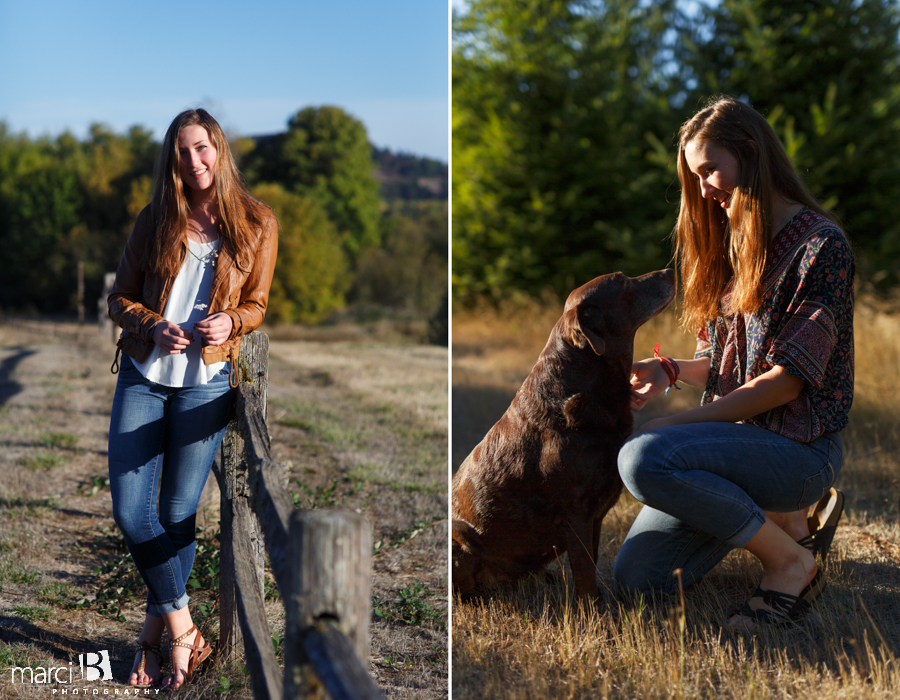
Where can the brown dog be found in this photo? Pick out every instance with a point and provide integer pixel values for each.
(544, 476)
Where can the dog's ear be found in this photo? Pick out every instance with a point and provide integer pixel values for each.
(466, 538)
(577, 333)
(466, 559)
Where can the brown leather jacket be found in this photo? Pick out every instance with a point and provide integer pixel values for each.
(138, 297)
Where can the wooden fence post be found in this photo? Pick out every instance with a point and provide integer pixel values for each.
(330, 559)
(234, 484)
(321, 561)
(106, 323)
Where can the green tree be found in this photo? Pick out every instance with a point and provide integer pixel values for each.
(115, 176)
(311, 272)
(39, 203)
(325, 155)
(563, 120)
(409, 271)
(826, 75)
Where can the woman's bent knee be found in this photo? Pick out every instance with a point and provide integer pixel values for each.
(637, 461)
(130, 524)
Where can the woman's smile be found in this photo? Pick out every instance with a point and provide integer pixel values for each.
(716, 169)
(197, 157)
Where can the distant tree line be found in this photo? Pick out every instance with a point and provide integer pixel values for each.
(565, 115)
(65, 200)
(405, 176)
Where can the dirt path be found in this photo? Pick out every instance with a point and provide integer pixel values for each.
(361, 425)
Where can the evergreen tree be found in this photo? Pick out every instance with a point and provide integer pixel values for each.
(825, 74)
(563, 121)
(39, 203)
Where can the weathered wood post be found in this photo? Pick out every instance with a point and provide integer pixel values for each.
(106, 323)
(328, 608)
(238, 520)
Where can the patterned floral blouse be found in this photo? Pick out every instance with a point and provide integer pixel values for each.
(805, 324)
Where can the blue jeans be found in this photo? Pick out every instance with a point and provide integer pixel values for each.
(704, 487)
(162, 442)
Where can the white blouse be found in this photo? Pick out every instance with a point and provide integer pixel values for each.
(187, 304)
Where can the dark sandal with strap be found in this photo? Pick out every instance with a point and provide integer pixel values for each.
(819, 541)
(786, 608)
(198, 654)
(143, 649)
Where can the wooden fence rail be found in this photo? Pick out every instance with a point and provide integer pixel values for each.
(321, 561)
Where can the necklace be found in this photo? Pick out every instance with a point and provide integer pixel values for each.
(211, 257)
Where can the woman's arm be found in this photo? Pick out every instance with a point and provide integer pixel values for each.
(649, 379)
(125, 297)
(763, 393)
(254, 294)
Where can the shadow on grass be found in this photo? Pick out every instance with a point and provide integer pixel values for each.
(10, 503)
(10, 387)
(54, 647)
(475, 410)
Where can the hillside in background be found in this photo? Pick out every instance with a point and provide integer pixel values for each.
(406, 176)
(399, 175)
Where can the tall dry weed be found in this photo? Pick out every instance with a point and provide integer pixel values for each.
(534, 641)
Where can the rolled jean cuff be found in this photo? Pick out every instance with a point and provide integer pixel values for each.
(160, 609)
(746, 532)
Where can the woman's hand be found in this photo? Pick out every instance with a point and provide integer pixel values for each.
(215, 329)
(171, 338)
(648, 379)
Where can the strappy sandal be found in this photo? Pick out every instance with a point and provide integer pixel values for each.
(143, 649)
(198, 654)
(786, 608)
(819, 541)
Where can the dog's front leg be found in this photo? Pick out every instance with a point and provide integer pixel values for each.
(579, 541)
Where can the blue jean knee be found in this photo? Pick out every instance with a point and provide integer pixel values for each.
(706, 487)
(162, 442)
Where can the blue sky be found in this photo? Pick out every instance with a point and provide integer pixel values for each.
(65, 64)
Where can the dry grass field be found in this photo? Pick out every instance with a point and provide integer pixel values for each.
(359, 414)
(534, 641)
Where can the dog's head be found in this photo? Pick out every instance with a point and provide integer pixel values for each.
(605, 313)
(473, 569)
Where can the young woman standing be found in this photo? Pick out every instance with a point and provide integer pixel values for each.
(768, 281)
(193, 279)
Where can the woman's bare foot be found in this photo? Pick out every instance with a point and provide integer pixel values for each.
(151, 635)
(180, 658)
(178, 623)
(787, 568)
(150, 674)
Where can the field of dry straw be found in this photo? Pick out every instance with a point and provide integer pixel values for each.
(536, 642)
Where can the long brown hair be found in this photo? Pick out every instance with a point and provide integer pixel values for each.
(240, 214)
(713, 250)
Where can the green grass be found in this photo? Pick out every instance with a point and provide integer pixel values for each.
(65, 441)
(17, 574)
(55, 388)
(413, 608)
(12, 655)
(328, 495)
(331, 428)
(19, 509)
(41, 462)
(418, 526)
(33, 612)
(58, 593)
(95, 485)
